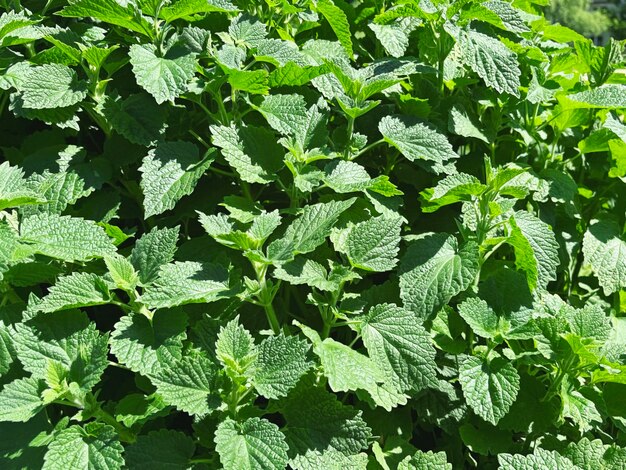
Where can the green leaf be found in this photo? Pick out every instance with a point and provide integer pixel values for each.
(153, 250)
(345, 368)
(67, 338)
(235, 347)
(480, 317)
(75, 290)
(160, 450)
(145, 345)
(419, 143)
(305, 271)
(183, 8)
(281, 361)
(253, 444)
(347, 177)
(286, 114)
(21, 399)
(536, 249)
(606, 96)
(189, 385)
(51, 86)
(541, 458)
(489, 387)
(400, 347)
(580, 409)
(450, 190)
(491, 60)
(109, 11)
(329, 460)
(338, 22)
(66, 238)
(169, 172)
(426, 461)
(464, 125)
(394, 37)
(245, 30)
(251, 151)
(138, 118)
(13, 190)
(308, 231)
(89, 447)
(185, 283)
(122, 272)
(58, 190)
(165, 78)
(373, 245)
(587, 454)
(434, 270)
(605, 251)
(317, 420)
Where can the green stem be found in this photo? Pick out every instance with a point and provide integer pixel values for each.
(349, 134)
(367, 148)
(272, 318)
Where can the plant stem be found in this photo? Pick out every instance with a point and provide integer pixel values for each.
(367, 148)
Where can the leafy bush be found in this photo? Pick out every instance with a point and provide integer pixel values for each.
(317, 235)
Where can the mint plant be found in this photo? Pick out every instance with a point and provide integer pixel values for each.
(310, 235)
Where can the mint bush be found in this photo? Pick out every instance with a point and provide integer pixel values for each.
(310, 235)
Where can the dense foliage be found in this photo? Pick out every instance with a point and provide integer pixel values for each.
(315, 235)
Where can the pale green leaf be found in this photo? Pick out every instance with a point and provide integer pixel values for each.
(183, 8)
(153, 250)
(189, 385)
(419, 143)
(145, 345)
(246, 30)
(187, 282)
(252, 151)
(338, 22)
(280, 363)
(66, 238)
(426, 461)
(452, 189)
(235, 347)
(605, 251)
(94, 446)
(165, 78)
(75, 290)
(345, 368)
(20, 400)
(489, 387)
(610, 96)
(329, 460)
(51, 86)
(491, 60)
(536, 249)
(373, 245)
(253, 444)
(285, 113)
(13, 189)
(308, 231)
(400, 347)
(123, 15)
(122, 272)
(394, 36)
(461, 123)
(434, 270)
(169, 172)
(67, 338)
(540, 459)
